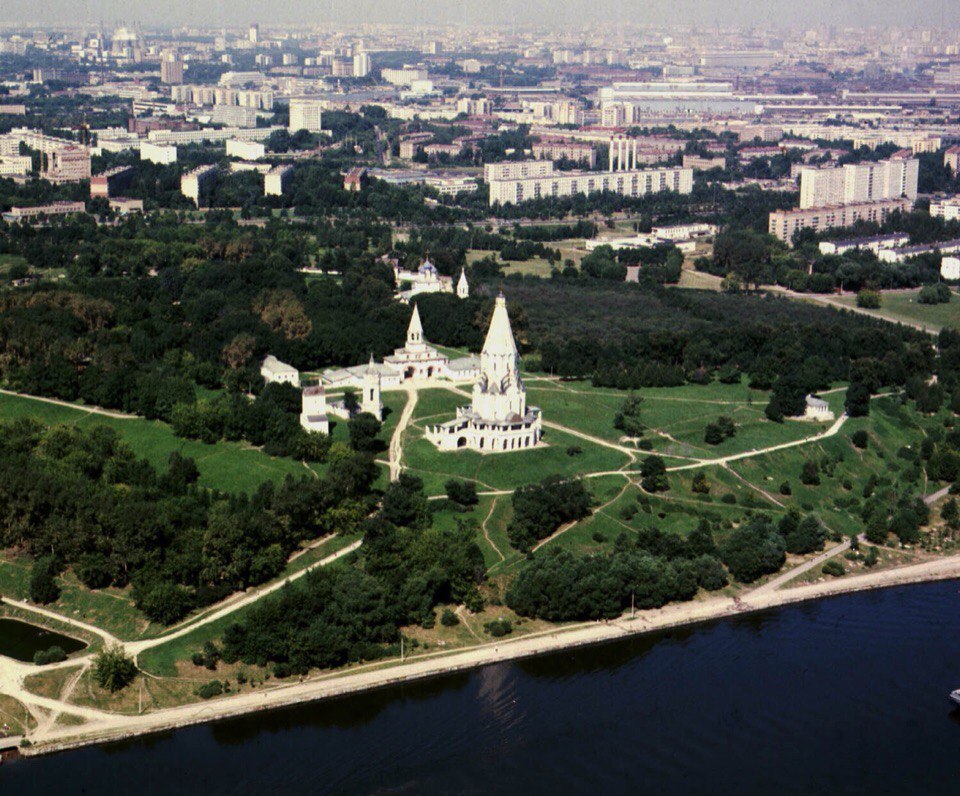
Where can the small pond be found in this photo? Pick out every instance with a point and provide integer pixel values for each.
(20, 640)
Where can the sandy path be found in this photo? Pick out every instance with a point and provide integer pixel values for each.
(396, 441)
(830, 432)
(93, 410)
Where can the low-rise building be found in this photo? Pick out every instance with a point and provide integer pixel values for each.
(164, 154)
(551, 183)
(124, 205)
(783, 224)
(246, 150)
(42, 211)
(947, 209)
(566, 150)
(908, 252)
(451, 184)
(276, 372)
(874, 243)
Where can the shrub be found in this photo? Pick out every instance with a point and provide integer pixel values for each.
(729, 498)
(869, 299)
(448, 618)
(785, 488)
(598, 537)
(834, 568)
(574, 450)
(52, 654)
(209, 690)
(498, 627)
(860, 439)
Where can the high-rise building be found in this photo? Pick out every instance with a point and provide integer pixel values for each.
(276, 180)
(361, 64)
(860, 182)
(254, 33)
(69, 164)
(196, 184)
(171, 69)
(305, 114)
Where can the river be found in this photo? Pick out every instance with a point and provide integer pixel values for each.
(846, 695)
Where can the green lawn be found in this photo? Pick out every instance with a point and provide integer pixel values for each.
(890, 427)
(509, 470)
(903, 306)
(230, 466)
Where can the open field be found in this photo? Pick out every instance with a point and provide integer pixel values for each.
(902, 305)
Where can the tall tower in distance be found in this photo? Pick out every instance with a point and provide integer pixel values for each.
(371, 401)
(254, 33)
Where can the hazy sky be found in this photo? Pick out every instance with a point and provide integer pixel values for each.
(902, 13)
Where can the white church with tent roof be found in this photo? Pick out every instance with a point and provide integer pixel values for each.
(498, 419)
(417, 360)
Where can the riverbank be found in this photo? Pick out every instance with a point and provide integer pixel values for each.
(110, 727)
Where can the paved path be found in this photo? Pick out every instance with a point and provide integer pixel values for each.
(935, 496)
(396, 441)
(792, 574)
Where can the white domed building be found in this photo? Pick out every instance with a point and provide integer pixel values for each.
(498, 420)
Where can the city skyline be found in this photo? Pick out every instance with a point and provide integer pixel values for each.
(777, 13)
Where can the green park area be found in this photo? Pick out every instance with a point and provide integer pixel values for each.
(902, 306)
(581, 440)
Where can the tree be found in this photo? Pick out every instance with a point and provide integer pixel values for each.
(363, 429)
(654, 475)
(753, 550)
(860, 439)
(114, 670)
(950, 514)
(810, 473)
(463, 493)
(700, 484)
(712, 434)
(869, 299)
(43, 582)
(858, 399)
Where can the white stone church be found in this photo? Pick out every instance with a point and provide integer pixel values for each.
(498, 420)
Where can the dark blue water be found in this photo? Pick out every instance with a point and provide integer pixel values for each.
(847, 695)
(20, 640)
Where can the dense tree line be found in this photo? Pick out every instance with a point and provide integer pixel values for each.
(657, 568)
(343, 614)
(82, 499)
(539, 509)
(630, 337)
